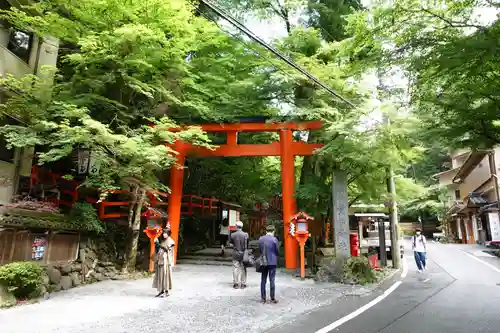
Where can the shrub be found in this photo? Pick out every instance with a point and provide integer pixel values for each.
(84, 216)
(353, 270)
(23, 279)
(358, 270)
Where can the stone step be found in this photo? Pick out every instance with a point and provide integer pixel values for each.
(204, 262)
(208, 258)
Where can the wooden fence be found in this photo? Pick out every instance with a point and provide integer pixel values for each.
(45, 248)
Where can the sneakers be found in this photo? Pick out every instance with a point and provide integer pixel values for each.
(236, 286)
(273, 301)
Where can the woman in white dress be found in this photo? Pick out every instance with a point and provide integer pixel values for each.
(164, 261)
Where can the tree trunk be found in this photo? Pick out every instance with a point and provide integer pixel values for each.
(134, 232)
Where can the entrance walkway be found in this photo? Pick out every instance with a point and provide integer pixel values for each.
(202, 301)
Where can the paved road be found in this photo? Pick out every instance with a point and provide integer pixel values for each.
(458, 294)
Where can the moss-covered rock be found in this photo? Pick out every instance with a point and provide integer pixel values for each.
(7, 299)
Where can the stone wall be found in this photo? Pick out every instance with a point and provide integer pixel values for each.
(98, 261)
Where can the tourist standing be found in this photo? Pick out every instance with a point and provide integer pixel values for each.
(269, 247)
(164, 261)
(419, 247)
(239, 239)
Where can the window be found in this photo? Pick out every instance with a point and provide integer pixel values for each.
(4, 5)
(457, 195)
(6, 155)
(20, 44)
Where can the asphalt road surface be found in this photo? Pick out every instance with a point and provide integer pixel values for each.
(460, 293)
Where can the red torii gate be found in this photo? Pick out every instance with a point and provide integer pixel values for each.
(286, 148)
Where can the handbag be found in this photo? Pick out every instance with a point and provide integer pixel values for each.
(261, 262)
(248, 259)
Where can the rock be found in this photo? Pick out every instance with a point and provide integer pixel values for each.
(66, 283)
(66, 269)
(98, 276)
(110, 274)
(107, 264)
(7, 299)
(45, 279)
(76, 267)
(75, 279)
(54, 275)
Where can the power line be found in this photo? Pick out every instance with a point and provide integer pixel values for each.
(271, 49)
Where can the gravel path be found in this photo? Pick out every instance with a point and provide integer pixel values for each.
(202, 301)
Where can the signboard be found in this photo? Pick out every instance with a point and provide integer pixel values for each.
(83, 161)
(292, 229)
(233, 218)
(38, 248)
(494, 226)
(479, 222)
(94, 166)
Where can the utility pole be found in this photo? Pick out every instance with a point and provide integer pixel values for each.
(391, 188)
(393, 215)
(382, 242)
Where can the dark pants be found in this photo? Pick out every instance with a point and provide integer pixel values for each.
(420, 259)
(271, 272)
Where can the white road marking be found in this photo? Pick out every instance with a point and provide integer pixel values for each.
(368, 305)
(359, 311)
(405, 268)
(483, 262)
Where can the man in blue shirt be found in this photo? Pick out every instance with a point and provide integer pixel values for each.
(269, 248)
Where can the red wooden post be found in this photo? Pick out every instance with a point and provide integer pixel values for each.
(288, 191)
(175, 197)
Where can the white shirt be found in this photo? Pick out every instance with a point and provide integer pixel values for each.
(224, 230)
(419, 243)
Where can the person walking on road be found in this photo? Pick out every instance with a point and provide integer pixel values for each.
(239, 240)
(269, 248)
(419, 247)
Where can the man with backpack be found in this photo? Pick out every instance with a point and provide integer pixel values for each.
(419, 247)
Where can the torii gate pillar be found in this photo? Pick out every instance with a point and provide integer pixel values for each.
(175, 197)
(288, 196)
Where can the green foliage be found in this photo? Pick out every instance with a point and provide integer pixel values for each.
(449, 54)
(433, 200)
(84, 215)
(355, 270)
(358, 270)
(328, 16)
(23, 279)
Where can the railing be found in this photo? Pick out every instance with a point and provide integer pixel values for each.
(191, 204)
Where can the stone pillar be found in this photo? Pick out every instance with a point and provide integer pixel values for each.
(340, 214)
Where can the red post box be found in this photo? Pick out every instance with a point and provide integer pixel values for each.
(354, 244)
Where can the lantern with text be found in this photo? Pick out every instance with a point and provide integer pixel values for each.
(153, 230)
(87, 163)
(301, 233)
